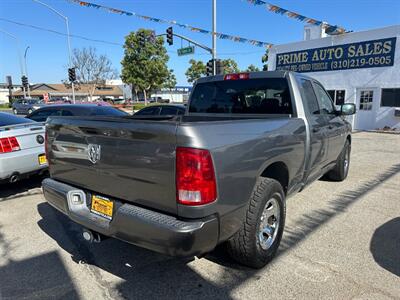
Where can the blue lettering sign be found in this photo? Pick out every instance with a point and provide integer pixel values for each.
(368, 54)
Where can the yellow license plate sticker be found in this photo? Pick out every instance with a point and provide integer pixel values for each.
(42, 159)
(102, 206)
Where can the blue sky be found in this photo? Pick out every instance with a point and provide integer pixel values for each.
(47, 56)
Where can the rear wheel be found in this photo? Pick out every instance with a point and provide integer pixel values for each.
(257, 241)
(341, 169)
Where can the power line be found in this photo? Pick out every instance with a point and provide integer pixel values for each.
(61, 33)
(113, 43)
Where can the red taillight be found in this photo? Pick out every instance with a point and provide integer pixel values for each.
(195, 177)
(9, 144)
(237, 76)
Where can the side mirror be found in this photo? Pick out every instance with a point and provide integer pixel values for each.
(347, 109)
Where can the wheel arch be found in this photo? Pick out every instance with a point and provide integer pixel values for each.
(278, 171)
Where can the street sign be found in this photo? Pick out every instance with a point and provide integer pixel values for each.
(186, 51)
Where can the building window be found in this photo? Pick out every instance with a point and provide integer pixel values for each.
(337, 96)
(366, 98)
(390, 97)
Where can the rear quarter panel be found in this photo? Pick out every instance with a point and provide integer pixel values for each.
(241, 151)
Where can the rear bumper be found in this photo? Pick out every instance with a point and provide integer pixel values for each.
(136, 225)
(21, 162)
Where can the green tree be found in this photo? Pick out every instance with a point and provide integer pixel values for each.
(252, 68)
(230, 66)
(170, 81)
(264, 60)
(144, 66)
(196, 70)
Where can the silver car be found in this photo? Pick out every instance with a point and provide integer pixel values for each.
(21, 147)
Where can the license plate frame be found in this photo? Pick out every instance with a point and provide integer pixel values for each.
(42, 159)
(102, 206)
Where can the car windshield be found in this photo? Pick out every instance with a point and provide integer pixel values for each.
(253, 96)
(9, 119)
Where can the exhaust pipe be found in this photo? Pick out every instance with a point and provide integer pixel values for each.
(14, 178)
(91, 236)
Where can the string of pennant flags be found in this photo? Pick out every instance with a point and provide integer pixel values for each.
(329, 29)
(219, 35)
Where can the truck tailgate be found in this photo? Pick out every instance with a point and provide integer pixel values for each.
(133, 160)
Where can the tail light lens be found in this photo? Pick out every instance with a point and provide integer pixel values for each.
(195, 177)
(9, 144)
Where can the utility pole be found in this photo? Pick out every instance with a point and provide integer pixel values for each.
(68, 40)
(214, 37)
(19, 55)
(26, 71)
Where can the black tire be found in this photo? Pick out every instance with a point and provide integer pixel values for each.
(245, 246)
(341, 169)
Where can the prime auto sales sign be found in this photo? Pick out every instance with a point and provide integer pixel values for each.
(368, 54)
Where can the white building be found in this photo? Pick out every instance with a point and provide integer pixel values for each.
(357, 67)
(178, 94)
(4, 92)
(126, 88)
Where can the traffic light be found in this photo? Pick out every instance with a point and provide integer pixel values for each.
(9, 81)
(170, 36)
(24, 81)
(219, 67)
(71, 74)
(142, 39)
(210, 67)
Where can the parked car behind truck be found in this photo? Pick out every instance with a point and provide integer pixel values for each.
(221, 173)
(21, 148)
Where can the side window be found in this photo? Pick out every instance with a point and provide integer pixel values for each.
(66, 113)
(310, 100)
(150, 111)
(324, 101)
(42, 115)
(168, 110)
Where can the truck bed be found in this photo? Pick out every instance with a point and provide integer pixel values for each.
(137, 161)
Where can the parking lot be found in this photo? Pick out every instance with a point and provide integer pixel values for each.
(342, 241)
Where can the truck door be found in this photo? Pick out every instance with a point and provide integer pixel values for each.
(336, 126)
(318, 131)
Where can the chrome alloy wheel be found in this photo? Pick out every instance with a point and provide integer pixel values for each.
(270, 222)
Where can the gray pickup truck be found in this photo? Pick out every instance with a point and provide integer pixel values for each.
(220, 173)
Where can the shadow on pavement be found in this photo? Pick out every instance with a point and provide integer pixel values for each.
(24, 187)
(39, 277)
(385, 246)
(147, 274)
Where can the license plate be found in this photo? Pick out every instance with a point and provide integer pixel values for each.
(42, 159)
(102, 206)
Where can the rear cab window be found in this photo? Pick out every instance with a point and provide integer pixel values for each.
(252, 96)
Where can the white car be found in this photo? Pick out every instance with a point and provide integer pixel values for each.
(22, 151)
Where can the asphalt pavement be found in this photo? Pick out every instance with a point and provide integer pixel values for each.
(342, 241)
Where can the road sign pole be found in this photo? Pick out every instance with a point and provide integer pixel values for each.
(214, 37)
